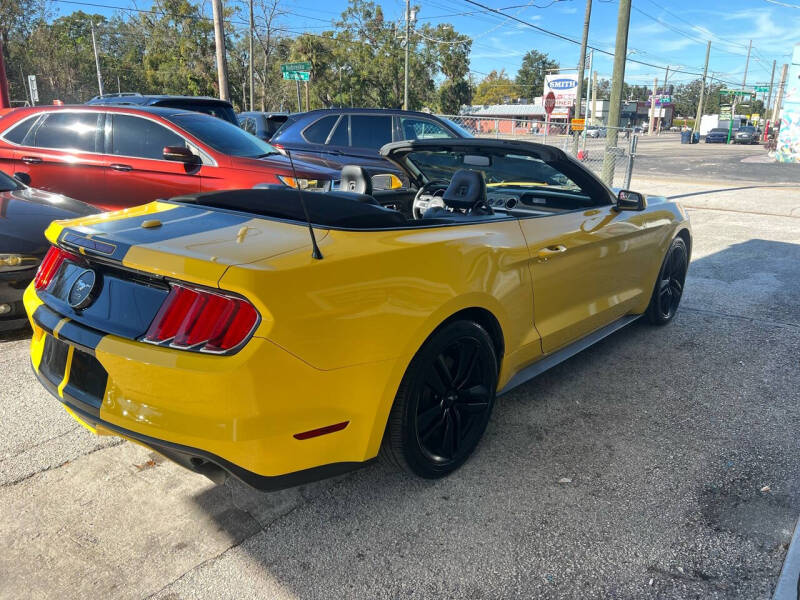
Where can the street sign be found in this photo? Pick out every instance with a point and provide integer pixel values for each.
(578, 124)
(34, 90)
(549, 102)
(734, 93)
(296, 66)
(725, 112)
(298, 75)
(762, 88)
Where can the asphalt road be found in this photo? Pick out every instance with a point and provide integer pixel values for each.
(664, 156)
(661, 463)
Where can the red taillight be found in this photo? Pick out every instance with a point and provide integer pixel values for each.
(196, 319)
(49, 267)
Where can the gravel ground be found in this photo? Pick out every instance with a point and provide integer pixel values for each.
(661, 463)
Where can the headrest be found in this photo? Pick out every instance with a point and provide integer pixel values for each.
(467, 188)
(355, 179)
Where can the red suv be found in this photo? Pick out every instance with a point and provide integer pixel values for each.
(115, 157)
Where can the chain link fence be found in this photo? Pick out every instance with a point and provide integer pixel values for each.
(613, 163)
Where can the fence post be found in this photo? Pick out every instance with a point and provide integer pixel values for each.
(631, 156)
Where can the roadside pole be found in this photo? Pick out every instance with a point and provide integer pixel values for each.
(219, 42)
(702, 92)
(594, 97)
(581, 67)
(652, 128)
(617, 79)
(250, 56)
(746, 65)
(299, 105)
(779, 94)
(408, 43)
(588, 89)
(769, 96)
(307, 105)
(96, 60)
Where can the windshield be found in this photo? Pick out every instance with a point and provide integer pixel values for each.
(748, 129)
(458, 129)
(223, 136)
(7, 183)
(501, 171)
(719, 131)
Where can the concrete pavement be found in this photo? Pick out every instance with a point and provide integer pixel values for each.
(667, 435)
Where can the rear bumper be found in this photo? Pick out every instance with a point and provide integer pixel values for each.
(12, 287)
(216, 468)
(216, 415)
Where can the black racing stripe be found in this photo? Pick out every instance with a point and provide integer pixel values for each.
(175, 223)
(54, 360)
(80, 335)
(87, 379)
(75, 240)
(46, 318)
(82, 409)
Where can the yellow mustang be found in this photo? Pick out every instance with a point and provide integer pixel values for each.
(206, 328)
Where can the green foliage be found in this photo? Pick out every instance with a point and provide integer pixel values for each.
(530, 77)
(495, 88)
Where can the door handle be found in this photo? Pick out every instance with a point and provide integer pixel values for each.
(31, 160)
(121, 167)
(549, 251)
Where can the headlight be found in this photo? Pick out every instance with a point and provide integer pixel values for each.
(305, 184)
(17, 262)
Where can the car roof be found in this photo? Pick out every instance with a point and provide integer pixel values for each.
(376, 111)
(160, 111)
(145, 99)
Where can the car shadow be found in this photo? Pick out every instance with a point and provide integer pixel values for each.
(617, 467)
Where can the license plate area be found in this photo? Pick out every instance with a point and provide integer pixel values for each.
(76, 376)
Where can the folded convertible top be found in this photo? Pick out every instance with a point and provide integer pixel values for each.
(342, 210)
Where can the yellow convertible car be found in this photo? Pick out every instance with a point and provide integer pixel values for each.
(280, 335)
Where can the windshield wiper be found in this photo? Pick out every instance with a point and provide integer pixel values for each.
(268, 154)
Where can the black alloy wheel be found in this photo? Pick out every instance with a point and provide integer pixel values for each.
(669, 286)
(444, 401)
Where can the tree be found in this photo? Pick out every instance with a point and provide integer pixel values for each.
(495, 88)
(687, 96)
(450, 51)
(530, 77)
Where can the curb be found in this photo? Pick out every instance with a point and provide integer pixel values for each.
(788, 587)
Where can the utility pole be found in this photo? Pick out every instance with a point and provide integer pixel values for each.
(617, 79)
(769, 97)
(581, 66)
(776, 110)
(702, 92)
(307, 106)
(96, 60)
(746, 65)
(594, 97)
(219, 39)
(250, 57)
(652, 128)
(408, 44)
(589, 83)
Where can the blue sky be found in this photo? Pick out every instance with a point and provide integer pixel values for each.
(662, 32)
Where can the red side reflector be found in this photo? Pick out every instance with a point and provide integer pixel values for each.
(321, 431)
(50, 264)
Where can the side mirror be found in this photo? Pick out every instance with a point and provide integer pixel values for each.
(180, 154)
(628, 200)
(23, 178)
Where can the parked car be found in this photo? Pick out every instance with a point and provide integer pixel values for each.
(279, 357)
(204, 104)
(746, 135)
(593, 131)
(114, 157)
(718, 135)
(24, 215)
(262, 124)
(353, 136)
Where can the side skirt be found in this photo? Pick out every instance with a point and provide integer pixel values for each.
(559, 356)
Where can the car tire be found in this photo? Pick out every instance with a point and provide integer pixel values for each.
(444, 402)
(668, 289)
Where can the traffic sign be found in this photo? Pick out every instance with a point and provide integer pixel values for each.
(298, 75)
(296, 66)
(578, 124)
(549, 102)
(762, 88)
(734, 93)
(724, 111)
